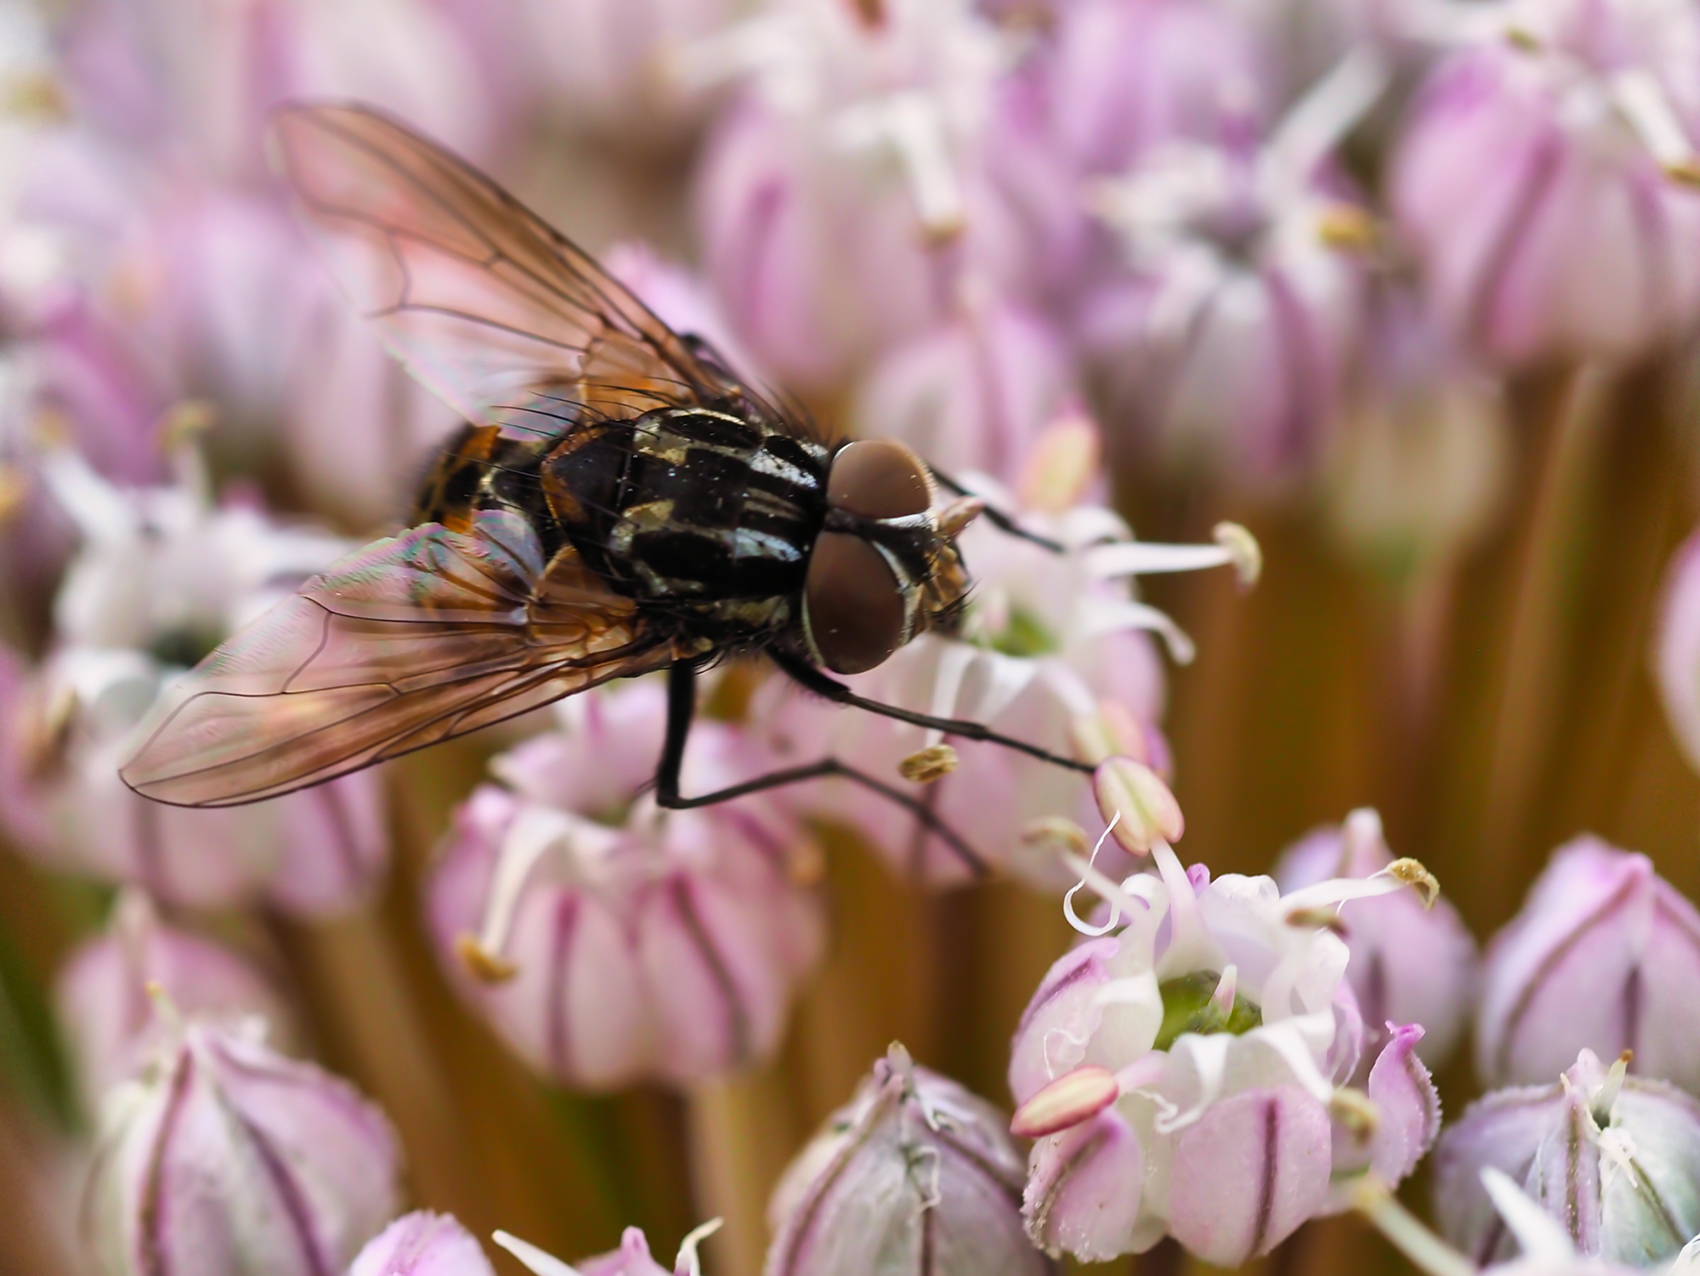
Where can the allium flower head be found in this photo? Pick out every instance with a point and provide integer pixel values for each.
(1180, 1069)
(1614, 1159)
(608, 940)
(223, 1156)
(1410, 963)
(162, 577)
(425, 1244)
(914, 1175)
(1547, 175)
(1604, 955)
(1048, 641)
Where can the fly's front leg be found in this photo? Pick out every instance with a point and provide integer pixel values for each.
(681, 710)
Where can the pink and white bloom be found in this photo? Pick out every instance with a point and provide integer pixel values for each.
(162, 577)
(607, 940)
(1613, 1159)
(1048, 641)
(1180, 1070)
(1412, 961)
(1230, 331)
(1547, 174)
(842, 198)
(106, 994)
(224, 1156)
(914, 1176)
(1603, 956)
(426, 1244)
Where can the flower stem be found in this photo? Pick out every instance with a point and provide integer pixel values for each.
(1407, 1232)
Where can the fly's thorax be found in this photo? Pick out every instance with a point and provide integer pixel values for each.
(711, 511)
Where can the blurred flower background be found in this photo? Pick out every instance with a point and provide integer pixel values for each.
(1396, 300)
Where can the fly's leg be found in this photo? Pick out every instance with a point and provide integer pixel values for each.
(806, 675)
(681, 708)
(998, 519)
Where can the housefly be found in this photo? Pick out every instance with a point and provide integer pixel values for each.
(618, 502)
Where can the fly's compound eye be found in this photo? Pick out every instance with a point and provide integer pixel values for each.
(878, 478)
(852, 606)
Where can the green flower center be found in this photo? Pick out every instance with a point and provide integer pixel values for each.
(1024, 635)
(1187, 1007)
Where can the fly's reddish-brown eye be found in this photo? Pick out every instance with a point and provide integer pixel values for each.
(877, 478)
(851, 604)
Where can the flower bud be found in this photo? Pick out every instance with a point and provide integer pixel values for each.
(1604, 956)
(607, 940)
(1409, 963)
(224, 1156)
(104, 1000)
(914, 1175)
(1615, 1159)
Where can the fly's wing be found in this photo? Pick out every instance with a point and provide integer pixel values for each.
(412, 640)
(476, 294)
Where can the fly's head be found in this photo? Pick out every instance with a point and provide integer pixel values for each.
(885, 567)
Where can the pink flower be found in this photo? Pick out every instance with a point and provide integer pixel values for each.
(1547, 180)
(105, 993)
(224, 1157)
(1180, 1072)
(1603, 956)
(839, 202)
(913, 1176)
(1614, 1160)
(1410, 964)
(607, 940)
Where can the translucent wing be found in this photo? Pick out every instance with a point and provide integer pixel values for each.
(476, 294)
(412, 640)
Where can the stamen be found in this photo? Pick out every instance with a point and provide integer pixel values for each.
(1327, 112)
(1190, 946)
(1603, 1099)
(1356, 1113)
(1097, 616)
(1133, 790)
(929, 764)
(1222, 1000)
(1371, 1198)
(535, 831)
(1643, 102)
(1543, 1240)
(688, 1259)
(911, 124)
(1072, 1098)
(532, 1258)
(1107, 890)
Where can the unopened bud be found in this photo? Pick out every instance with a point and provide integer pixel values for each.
(1148, 810)
(915, 1175)
(1067, 1101)
(930, 764)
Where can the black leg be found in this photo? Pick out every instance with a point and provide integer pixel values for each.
(998, 519)
(681, 708)
(804, 674)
